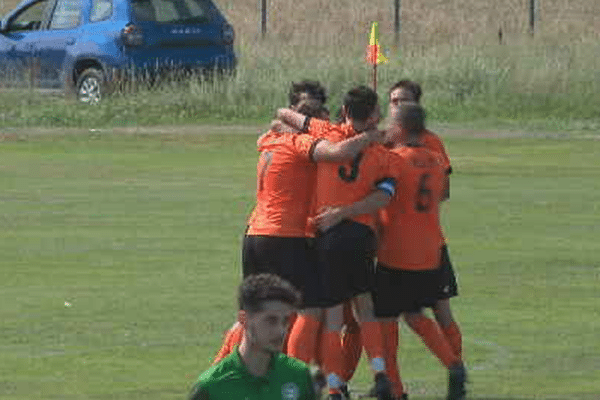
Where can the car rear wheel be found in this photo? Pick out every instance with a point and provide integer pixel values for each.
(91, 86)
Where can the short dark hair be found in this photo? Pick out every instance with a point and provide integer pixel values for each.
(360, 102)
(411, 86)
(313, 89)
(257, 289)
(312, 108)
(412, 118)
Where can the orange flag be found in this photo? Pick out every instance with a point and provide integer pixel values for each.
(374, 55)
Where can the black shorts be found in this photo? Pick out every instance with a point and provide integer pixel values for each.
(448, 287)
(397, 291)
(291, 258)
(346, 255)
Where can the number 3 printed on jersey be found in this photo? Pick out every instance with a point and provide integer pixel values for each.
(350, 177)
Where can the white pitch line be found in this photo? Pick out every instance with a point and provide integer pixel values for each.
(500, 359)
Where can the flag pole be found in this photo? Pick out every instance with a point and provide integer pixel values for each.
(375, 77)
(374, 55)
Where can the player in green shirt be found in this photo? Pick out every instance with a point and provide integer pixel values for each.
(257, 369)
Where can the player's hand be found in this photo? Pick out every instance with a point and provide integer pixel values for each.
(276, 125)
(328, 217)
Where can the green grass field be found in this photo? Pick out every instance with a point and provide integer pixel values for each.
(120, 258)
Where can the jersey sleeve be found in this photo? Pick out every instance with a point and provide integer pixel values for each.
(434, 143)
(304, 145)
(320, 128)
(199, 392)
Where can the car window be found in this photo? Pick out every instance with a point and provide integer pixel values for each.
(66, 15)
(31, 18)
(172, 11)
(101, 10)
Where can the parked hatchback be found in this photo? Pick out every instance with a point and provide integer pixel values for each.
(83, 46)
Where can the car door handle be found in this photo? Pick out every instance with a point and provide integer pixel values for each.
(70, 41)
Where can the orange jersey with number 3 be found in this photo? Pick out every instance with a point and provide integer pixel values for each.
(341, 184)
(285, 185)
(410, 239)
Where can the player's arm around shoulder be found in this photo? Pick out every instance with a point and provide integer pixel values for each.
(293, 119)
(331, 147)
(328, 217)
(328, 151)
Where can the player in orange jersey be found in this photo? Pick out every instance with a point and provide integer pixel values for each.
(409, 91)
(406, 91)
(409, 254)
(276, 238)
(300, 342)
(299, 93)
(302, 333)
(346, 247)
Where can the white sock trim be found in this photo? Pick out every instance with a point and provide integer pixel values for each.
(378, 364)
(334, 381)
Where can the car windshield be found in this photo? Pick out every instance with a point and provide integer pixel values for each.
(171, 11)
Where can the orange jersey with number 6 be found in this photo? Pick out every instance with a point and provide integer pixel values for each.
(411, 236)
(285, 180)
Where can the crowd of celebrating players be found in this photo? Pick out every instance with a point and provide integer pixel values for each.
(348, 214)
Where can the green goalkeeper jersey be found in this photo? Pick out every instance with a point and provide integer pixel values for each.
(286, 379)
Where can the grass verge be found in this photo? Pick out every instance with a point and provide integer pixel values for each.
(528, 86)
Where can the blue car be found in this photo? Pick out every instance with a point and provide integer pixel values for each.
(84, 46)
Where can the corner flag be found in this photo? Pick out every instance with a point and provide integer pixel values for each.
(374, 55)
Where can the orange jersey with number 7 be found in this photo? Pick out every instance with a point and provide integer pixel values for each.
(411, 238)
(285, 182)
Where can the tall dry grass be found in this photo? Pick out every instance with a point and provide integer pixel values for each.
(450, 46)
(313, 36)
(424, 22)
(456, 22)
